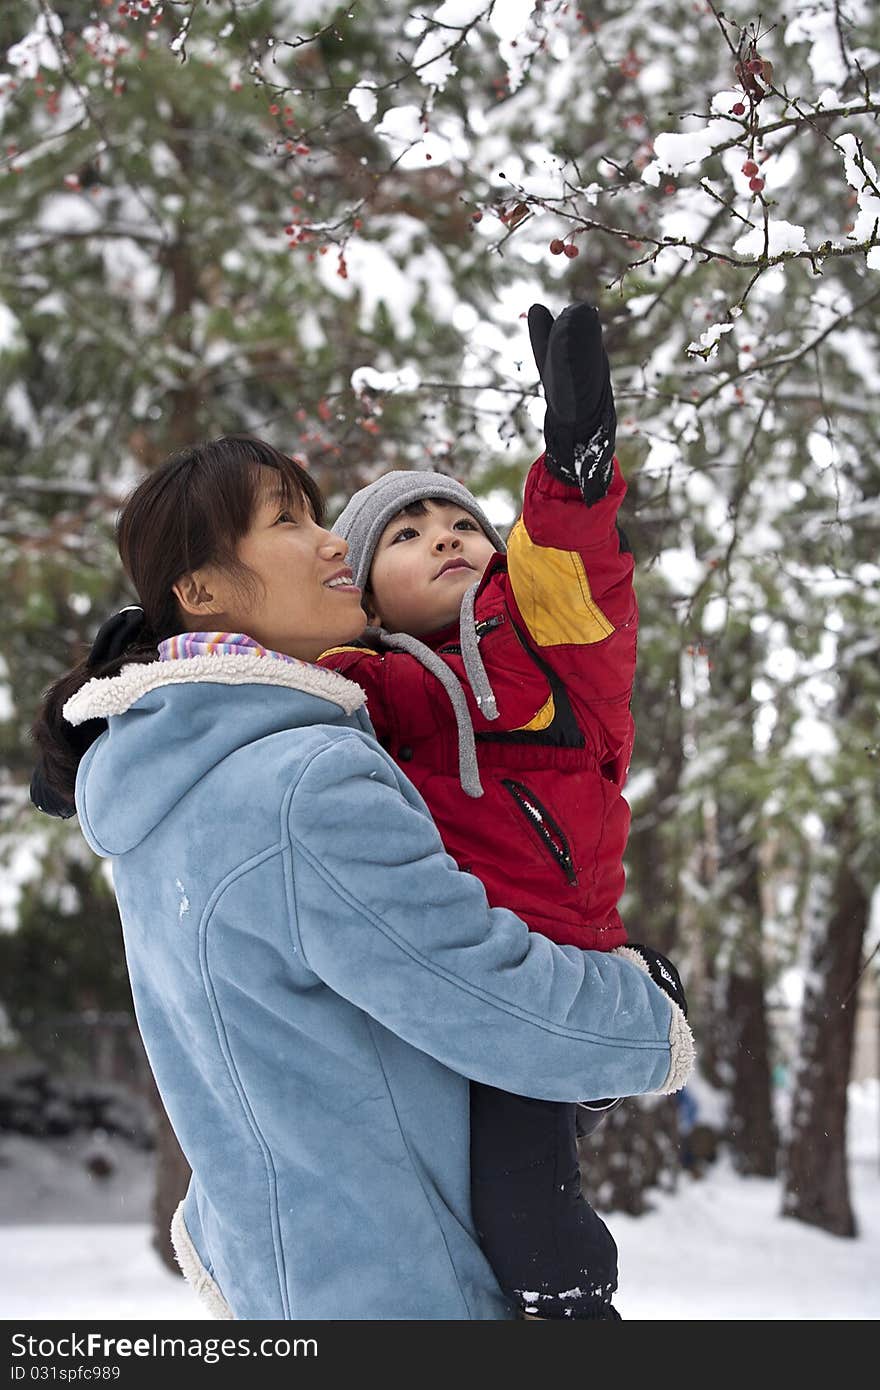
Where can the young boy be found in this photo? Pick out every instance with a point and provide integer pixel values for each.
(501, 685)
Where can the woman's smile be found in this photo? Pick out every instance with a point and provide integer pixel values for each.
(341, 582)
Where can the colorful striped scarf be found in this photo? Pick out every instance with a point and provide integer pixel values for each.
(216, 644)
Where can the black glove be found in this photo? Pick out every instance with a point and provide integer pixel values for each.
(662, 972)
(580, 425)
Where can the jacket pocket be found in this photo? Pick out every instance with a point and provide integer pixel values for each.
(548, 830)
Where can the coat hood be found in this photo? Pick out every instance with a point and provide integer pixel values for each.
(169, 723)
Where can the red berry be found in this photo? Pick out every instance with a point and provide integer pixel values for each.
(557, 247)
(738, 109)
(476, 217)
(756, 185)
(571, 251)
(273, 109)
(750, 168)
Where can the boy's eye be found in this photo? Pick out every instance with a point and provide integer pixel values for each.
(403, 534)
(285, 517)
(465, 524)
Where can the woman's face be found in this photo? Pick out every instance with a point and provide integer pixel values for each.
(301, 599)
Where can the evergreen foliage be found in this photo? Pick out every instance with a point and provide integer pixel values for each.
(324, 225)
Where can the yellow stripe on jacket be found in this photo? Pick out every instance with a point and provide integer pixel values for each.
(553, 593)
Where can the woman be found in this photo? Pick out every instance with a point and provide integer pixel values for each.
(314, 979)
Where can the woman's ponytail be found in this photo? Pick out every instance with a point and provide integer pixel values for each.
(122, 640)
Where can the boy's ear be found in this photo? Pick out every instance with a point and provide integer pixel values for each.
(194, 594)
(368, 604)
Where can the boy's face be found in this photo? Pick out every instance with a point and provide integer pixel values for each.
(422, 566)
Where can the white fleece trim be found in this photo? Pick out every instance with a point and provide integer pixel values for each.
(109, 695)
(682, 1050)
(194, 1272)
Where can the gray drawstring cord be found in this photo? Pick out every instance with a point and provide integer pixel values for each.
(473, 662)
(468, 772)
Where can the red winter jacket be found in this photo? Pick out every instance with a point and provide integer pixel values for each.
(557, 619)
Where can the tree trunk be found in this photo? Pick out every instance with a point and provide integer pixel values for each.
(816, 1179)
(654, 853)
(633, 1150)
(172, 1180)
(752, 1131)
(743, 1034)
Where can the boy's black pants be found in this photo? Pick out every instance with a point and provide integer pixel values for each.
(551, 1253)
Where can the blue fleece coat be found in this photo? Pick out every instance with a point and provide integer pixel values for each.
(315, 981)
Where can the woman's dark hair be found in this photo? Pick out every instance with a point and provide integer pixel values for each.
(189, 512)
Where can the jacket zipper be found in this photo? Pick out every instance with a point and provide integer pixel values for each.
(481, 628)
(548, 829)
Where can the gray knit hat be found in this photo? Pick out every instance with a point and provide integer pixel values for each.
(365, 517)
(361, 523)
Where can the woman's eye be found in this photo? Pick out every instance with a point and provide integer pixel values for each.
(285, 517)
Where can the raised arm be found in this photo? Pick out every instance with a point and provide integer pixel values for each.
(570, 568)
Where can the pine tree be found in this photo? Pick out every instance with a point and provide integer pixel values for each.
(323, 225)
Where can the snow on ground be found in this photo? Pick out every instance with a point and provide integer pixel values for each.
(715, 1249)
(87, 1273)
